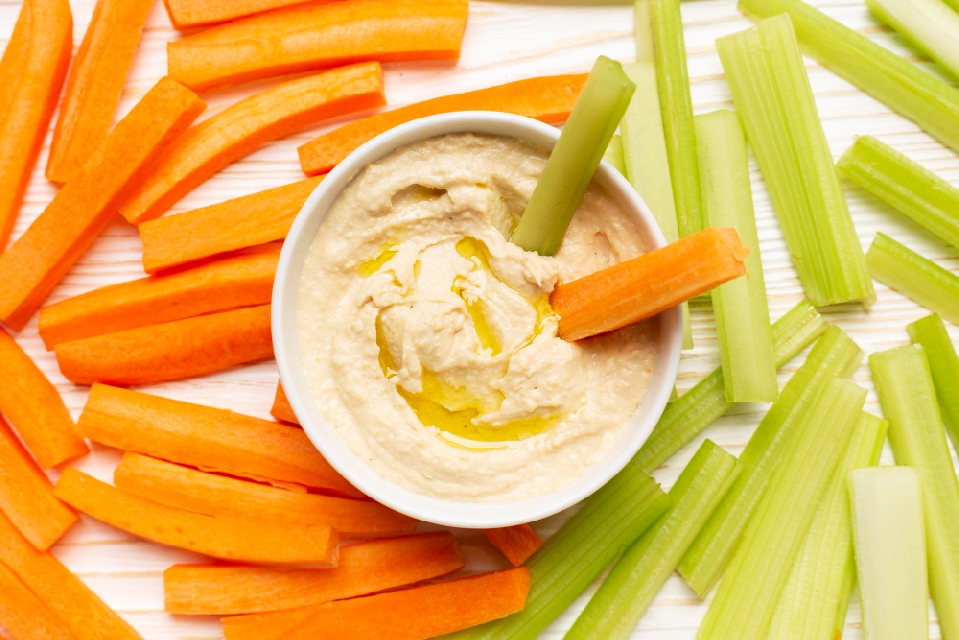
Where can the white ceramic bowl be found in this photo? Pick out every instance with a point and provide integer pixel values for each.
(285, 341)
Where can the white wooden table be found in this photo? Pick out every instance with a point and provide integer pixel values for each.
(504, 41)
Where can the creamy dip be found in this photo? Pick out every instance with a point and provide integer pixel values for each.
(428, 342)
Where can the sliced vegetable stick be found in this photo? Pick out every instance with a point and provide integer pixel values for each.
(171, 351)
(242, 128)
(244, 222)
(642, 287)
(23, 614)
(318, 35)
(210, 439)
(95, 84)
(220, 285)
(32, 71)
(365, 567)
(26, 495)
(236, 539)
(281, 409)
(35, 408)
(517, 542)
(217, 495)
(421, 612)
(194, 13)
(78, 608)
(548, 98)
(54, 241)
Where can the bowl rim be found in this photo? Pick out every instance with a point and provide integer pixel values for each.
(289, 361)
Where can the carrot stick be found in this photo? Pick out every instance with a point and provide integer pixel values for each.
(95, 84)
(365, 567)
(32, 71)
(220, 285)
(217, 495)
(642, 287)
(35, 408)
(247, 125)
(172, 351)
(549, 98)
(281, 409)
(244, 222)
(23, 614)
(195, 13)
(235, 539)
(517, 542)
(210, 439)
(78, 213)
(411, 614)
(78, 608)
(318, 35)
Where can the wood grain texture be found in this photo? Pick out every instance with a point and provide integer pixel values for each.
(504, 41)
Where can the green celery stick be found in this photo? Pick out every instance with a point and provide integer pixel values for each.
(930, 333)
(904, 185)
(835, 355)
(574, 159)
(740, 307)
(821, 580)
(908, 398)
(771, 90)
(746, 599)
(702, 405)
(676, 106)
(614, 154)
(610, 520)
(900, 85)
(928, 24)
(887, 522)
(644, 567)
(915, 277)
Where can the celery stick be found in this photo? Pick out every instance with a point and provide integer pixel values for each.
(644, 567)
(574, 159)
(610, 520)
(614, 154)
(928, 24)
(747, 596)
(769, 85)
(908, 398)
(672, 81)
(835, 355)
(742, 314)
(888, 528)
(900, 85)
(915, 277)
(702, 405)
(904, 185)
(930, 333)
(819, 584)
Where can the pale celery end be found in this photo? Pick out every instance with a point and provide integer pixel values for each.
(614, 154)
(930, 333)
(908, 398)
(887, 521)
(929, 24)
(640, 573)
(740, 305)
(899, 84)
(915, 277)
(771, 90)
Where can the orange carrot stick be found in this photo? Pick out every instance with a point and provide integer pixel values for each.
(365, 567)
(244, 222)
(217, 495)
(411, 614)
(548, 98)
(642, 287)
(95, 84)
(318, 35)
(210, 439)
(78, 608)
(78, 213)
(242, 128)
(32, 71)
(23, 614)
(235, 539)
(281, 409)
(195, 13)
(517, 542)
(35, 408)
(172, 351)
(220, 285)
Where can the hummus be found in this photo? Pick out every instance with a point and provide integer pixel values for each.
(427, 337)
